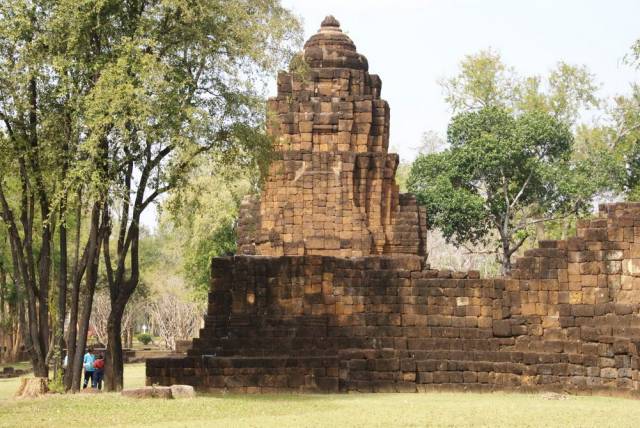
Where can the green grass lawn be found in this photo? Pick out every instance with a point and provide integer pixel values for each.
(353, 410)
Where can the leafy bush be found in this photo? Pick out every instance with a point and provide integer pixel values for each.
(145, 338)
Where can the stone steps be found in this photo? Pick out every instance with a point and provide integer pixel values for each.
(248, 374)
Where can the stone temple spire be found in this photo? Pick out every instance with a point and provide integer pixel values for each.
(330, 21)
(331, 48)
(331, 189)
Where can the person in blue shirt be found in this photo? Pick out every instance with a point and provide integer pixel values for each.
(89, 359)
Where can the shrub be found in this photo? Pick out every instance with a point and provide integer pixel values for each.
(145, 338)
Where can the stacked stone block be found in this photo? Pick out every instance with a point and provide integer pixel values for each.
(565, 320)
(331, 188)
(332, 292)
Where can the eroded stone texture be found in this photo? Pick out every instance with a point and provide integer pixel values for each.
(331, 189)
(567, 320)
(148, 392)
(303, 317)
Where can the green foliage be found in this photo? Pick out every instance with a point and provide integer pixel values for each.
(498, 169)
(202, 215)
(456, 210)
(221, 241)
(56, 384)
(570, 88)
(144, 338)
(633, 57)
(626, 142)
(116, 101)
(402, 175)
(485, 81)
(184, 81)
(624, 134)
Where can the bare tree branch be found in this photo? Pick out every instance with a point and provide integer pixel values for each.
(175, 318)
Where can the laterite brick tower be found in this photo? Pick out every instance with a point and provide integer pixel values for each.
(332, 189)
(330, 291)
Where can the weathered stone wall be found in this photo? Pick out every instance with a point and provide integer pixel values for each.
(568, 319)
(340, 299)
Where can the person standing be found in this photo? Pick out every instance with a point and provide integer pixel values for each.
(89, 359)
(98, 373)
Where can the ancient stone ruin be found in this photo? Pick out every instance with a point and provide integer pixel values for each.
(332, 292)
(332, 190)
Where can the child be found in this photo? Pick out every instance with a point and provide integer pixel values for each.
(89, 370)
(98, 373)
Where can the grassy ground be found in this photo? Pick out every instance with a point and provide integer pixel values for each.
(356, 410)
(134, 377)
(22, 365)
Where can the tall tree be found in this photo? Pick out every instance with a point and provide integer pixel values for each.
(624, 133)
(27, 164)
(565, 92)
(498, 168)
(182, 84)
(484, 80)
(104, 105)
(50, 60)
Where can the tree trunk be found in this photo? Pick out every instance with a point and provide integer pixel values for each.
(36, 331)
(6, 337)
(114, 364)
(92, 253)
(40, 286)
(540, 231)
(62, 294)
(565, 227)
(130, 337)
(43, 296)
(33, 338)
(29, 322)
(62, 274)
(81, 343)
(78, 269)
(32, 387)
(3, 289)
(72, 333)
(120, 292)
(506, 257)
(16, 343)
(40, 368)
(22, 323)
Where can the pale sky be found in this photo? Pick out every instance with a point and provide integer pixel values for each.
(410, 44)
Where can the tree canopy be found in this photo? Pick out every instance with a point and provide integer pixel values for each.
(498, 166)
(516, 138)
(105, 106)
(485, 81)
